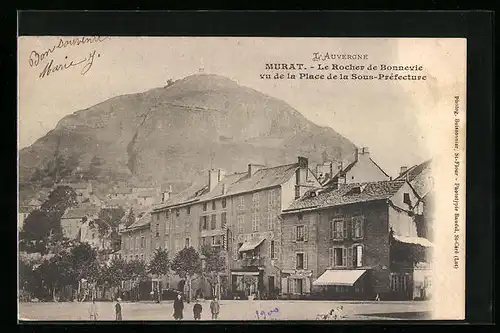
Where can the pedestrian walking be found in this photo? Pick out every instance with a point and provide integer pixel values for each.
(93, 310)
(178, 308)
(214, 308)
(197, 309)
(377, 298)
(118, 310)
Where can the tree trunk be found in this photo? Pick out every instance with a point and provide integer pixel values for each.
(218, 286)
(189, 288)
(54, 293)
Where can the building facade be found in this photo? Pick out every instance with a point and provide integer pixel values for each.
(73, 218)
(241, 214)
(352, 242)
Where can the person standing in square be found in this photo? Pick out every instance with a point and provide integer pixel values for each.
(118, 310)
(214, 308)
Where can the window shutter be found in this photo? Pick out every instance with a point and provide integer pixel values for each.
(362, 227)
(353, 227)
(330, 257)
(294, 233)
(332, 228)
(345, 227)
(307, 285)
(359, 256)
(350, 261)
(344, 256)
(305, 260)
(295, 261)
(201, 223)
(292, 286)
(270, 247)
(284, 285)
(306, 233)
(334, 257)
(277, 249)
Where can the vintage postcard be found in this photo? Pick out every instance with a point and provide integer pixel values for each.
(228, 178)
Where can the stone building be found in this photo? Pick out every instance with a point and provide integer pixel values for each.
(240, 213)
(354, 241)
(73, 218)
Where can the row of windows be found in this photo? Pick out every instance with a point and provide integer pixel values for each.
(214, 206)
(213, 241)
(346, 256)
(342, 228)
(204, 225)
(131, 243)
(269, 216)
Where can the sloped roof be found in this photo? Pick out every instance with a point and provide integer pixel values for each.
(414, 171)
(345, 170)
(227, 182)
(343, 195)
(264, 178)
(234, 184)
(190, 194)
(141, 222)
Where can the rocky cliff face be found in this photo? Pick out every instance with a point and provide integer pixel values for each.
(173, 134)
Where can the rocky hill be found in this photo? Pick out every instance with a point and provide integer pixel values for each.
(173, 134)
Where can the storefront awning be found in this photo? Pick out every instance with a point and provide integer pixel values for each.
(344, 277)
(413, 240)
(251, 244)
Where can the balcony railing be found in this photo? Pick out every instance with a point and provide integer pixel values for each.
(252, 262)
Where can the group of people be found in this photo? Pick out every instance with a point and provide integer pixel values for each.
(197, 309)
(178, 309)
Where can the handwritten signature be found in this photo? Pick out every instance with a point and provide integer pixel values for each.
(87, 62)
(38, 57)
(265, 315)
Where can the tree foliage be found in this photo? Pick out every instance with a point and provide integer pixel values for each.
(135, 270)
(214, 263)
(186, 262)
(47, 220)
(160, 264)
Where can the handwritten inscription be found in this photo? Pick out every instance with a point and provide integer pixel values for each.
(86, 64)
(38, 57)
(265, 315)
(50, 65)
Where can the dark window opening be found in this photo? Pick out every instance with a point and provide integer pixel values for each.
(204, 206)
(300, 261)
(213, 205)
(213, 223)
(338, 256)
(224, 203)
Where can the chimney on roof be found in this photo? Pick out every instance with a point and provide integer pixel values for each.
(403, 169)
(253, 168)
(166, 195)
(214, 177)
(363, 152)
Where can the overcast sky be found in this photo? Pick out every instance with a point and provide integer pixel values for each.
(398, 120)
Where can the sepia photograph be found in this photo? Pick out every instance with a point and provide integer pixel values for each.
(241, 178)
